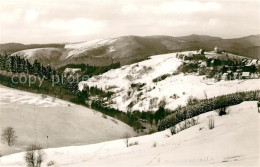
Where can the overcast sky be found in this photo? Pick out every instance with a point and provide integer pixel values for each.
(45, 21)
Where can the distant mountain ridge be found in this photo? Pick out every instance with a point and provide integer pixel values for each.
(129, 49)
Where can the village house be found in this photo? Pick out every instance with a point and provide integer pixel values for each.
(245, 75)
(71, 71)
(224, 76)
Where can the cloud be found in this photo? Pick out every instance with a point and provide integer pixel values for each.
(41, 21)
(31, 15)
(129, 9)
(189, 6)
(75, 27)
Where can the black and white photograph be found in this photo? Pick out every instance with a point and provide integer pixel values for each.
(130, 83)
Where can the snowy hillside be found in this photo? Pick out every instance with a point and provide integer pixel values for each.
(143, 85)
(35, 116)
(91, 44)
(79, 48)
(233, 142)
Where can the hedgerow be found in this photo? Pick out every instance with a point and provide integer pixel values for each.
(202, 106)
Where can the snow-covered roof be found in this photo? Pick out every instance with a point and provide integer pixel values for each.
(72, 70)
(245, 74)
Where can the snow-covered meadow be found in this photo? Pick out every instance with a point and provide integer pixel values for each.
(233, 142)
(174, 89)
(35, 116)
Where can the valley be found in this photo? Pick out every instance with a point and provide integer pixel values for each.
(155, 103)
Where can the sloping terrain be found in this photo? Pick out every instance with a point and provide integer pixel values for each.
(15, 47)
(35, 116)
(233, 142)
(136, 86)
(132, 49)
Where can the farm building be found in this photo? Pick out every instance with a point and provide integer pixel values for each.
(71, 71)
(245, 75)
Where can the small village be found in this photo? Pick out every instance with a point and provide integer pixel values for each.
(220, 65)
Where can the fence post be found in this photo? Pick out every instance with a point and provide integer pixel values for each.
(258, 106)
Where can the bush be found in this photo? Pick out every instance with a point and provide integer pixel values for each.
(34, 156)
(51, 163)
(173, 130)
(188, 68)
(113, 120)
(222, 111)
(160, 78)
(192, 100)
(104, 116)
(152, 131)
(134, 143)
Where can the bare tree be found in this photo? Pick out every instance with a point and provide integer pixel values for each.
(8, 136)
(34, 156)
(126, 137)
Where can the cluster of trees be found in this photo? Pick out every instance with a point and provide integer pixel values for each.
(129, 118)
(136, 119)
(188, 67)
(89, 91)
(54, 80)
(18, 65)
(67, 90)
(90, 70)
(202, 106)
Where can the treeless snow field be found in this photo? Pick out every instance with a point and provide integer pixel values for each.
(53, 122)
(233, 142)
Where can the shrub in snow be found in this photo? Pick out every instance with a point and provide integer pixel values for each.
(113, 120)
(152, 131)
(222, 111)
(162, 103)
(174, 96)
(159, 114)
(153, 103)
(34, 156)
(173, 130)
(192, 100)
(160, 78)
(134, 143)
(51, 163)
(131, 104)
(129, 77)
(126, 137)
(154, 144)
(43, 96)
(211, 122)
(104, 116)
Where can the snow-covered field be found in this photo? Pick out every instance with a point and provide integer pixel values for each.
(233, 142)
(78, 48)
(175, 89)
(34, 118)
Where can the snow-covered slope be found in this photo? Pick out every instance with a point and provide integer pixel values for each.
(34, 117)
(175, 89)
(233, 142)
(131, 49)
(47, 56)
(91, 44)
(71, 53)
